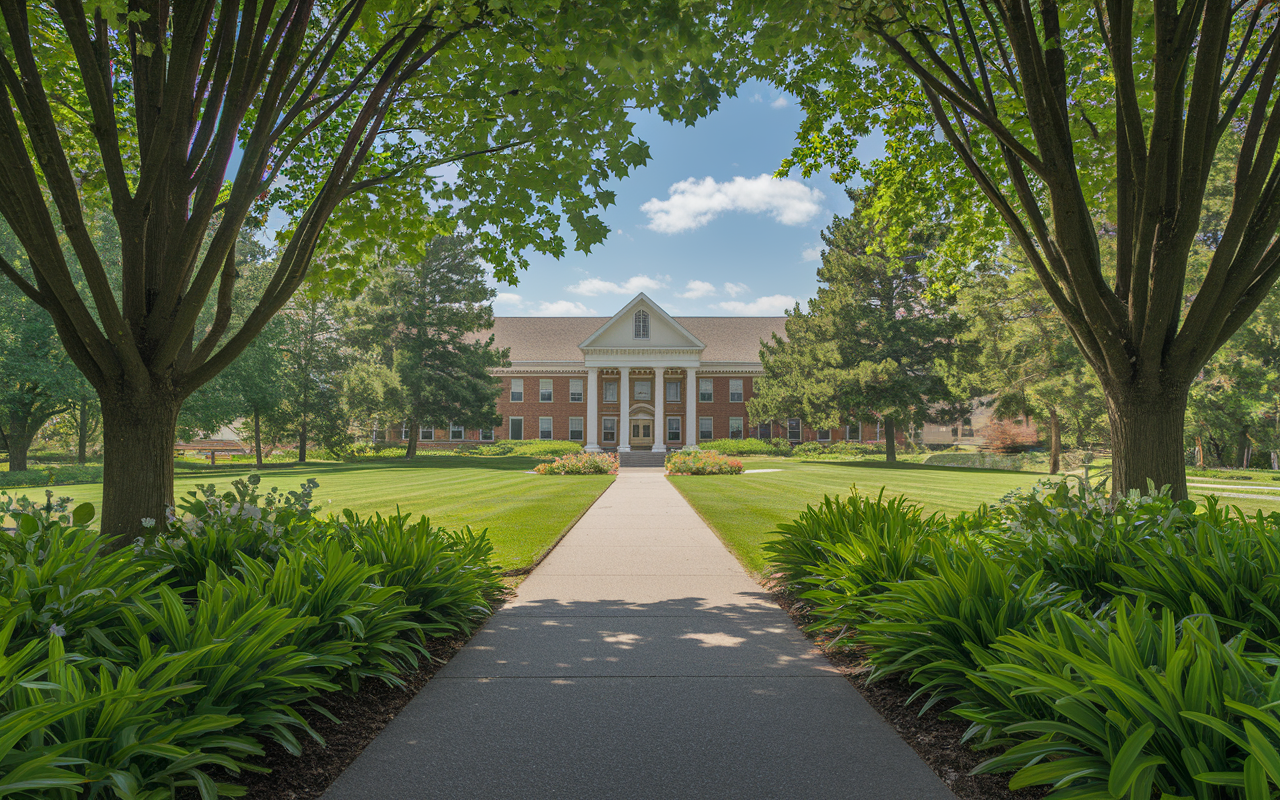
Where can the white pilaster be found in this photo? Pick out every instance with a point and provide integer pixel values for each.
(592, 410)
(624, 406)
(691, 408)
(659, 409)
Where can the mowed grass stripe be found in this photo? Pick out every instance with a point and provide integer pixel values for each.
(524, 514)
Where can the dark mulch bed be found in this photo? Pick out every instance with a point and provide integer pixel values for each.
(934, 738)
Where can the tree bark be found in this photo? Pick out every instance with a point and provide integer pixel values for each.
(411, 446)
(20, 436)
(1147, 440)
(138, 432)
(302, 441)
(257, 437)
(82, 430)
(1055, 441)
(1242, 450)
(1199, 453)
(890, 441)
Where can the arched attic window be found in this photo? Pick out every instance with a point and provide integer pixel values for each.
(642, 324)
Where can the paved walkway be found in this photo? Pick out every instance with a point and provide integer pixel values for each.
(638, 661)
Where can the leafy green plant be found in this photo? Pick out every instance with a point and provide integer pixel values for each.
(808, 449)
(741, 447)
(1140, 702)
(580, 464)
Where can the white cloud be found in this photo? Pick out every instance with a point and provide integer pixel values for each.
(735, 289)
(696, 289)
(593, 287)
(755, 98)
(781, 102)
(811, 253)
(562, 308)
(693, 203)
(508, 299)
(772, 306)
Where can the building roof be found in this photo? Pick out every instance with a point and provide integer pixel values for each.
(556, 339)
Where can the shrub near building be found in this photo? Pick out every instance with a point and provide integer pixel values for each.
(698, 462)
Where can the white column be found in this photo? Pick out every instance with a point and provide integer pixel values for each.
(624, 421)
(691, 408)
(592, 412)
(659, 415)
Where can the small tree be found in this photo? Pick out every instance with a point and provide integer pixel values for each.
(868, 343)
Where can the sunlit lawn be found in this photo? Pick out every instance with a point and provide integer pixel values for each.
(745, 509)
(525, 514)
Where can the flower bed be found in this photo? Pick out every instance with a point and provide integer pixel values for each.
(1105, 647)
(701, 462)
(580, 464)
(165, 664)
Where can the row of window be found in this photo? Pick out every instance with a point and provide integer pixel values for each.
(641, 390)
(457, 433)
(609, 430)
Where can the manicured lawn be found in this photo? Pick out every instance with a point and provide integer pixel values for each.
(525, 514)
(745, 509)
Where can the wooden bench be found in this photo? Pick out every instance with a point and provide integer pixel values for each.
(210, 447)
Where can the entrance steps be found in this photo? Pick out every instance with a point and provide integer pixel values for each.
(638, 458)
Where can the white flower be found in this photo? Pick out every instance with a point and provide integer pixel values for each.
(57, 630)
(148, 522)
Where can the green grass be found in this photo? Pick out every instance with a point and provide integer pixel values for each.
(745, 509)
(525, 514)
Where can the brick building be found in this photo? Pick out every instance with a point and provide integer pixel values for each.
(639, 380)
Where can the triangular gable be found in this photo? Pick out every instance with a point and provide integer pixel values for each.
(664, 331)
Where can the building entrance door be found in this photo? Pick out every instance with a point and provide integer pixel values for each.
(642, 433)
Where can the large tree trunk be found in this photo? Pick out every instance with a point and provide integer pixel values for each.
(1243, 450)
(20, 436)
(1055, 441)
(1199, 453)
(257, 437)
(890, 441)
(411, 446)
(1147, 441)
(138, 433)
(302, 441)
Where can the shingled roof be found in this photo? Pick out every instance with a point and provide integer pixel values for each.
(556, 339)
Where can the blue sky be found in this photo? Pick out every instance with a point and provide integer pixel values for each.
(699, 229)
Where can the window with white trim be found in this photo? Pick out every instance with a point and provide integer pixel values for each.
(544, 390)
(673, 429)
(704, 390)
(575, 429)
(611, 391)
(575, 390)
(517, 390)
(765, 430)
(643, 390)
(793, 430)
(457, 433)
(673, 391)
(404, 431)
(609, 429)
(376, 432)
(735, 390)
(515, 428)
(642, 325)
(426, 434)
(735, 427)
(544, 428)
(824, 434)
(706, 429)
(486, 434)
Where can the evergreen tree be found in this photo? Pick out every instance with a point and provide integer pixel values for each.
(869, 342)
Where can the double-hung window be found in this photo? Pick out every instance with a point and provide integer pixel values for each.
(673, 391)
(544, 390)
(517, 390)
(426, 434)
(793, 430)
(704, 390)
(611, 391)
(486, 434)
(575, 390)
(735, 427)
(824, 434)
(705, 430)
(575, 429)
(544, 428)
(457, 433)
(515, 428)
(404, 431)
(735, 390)
(673, 429)
(609, 429)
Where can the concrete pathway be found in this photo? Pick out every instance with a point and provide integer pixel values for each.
(638, 661)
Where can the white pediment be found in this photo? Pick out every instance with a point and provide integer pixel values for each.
(664, 332)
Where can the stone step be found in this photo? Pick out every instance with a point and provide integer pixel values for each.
(642, 459)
